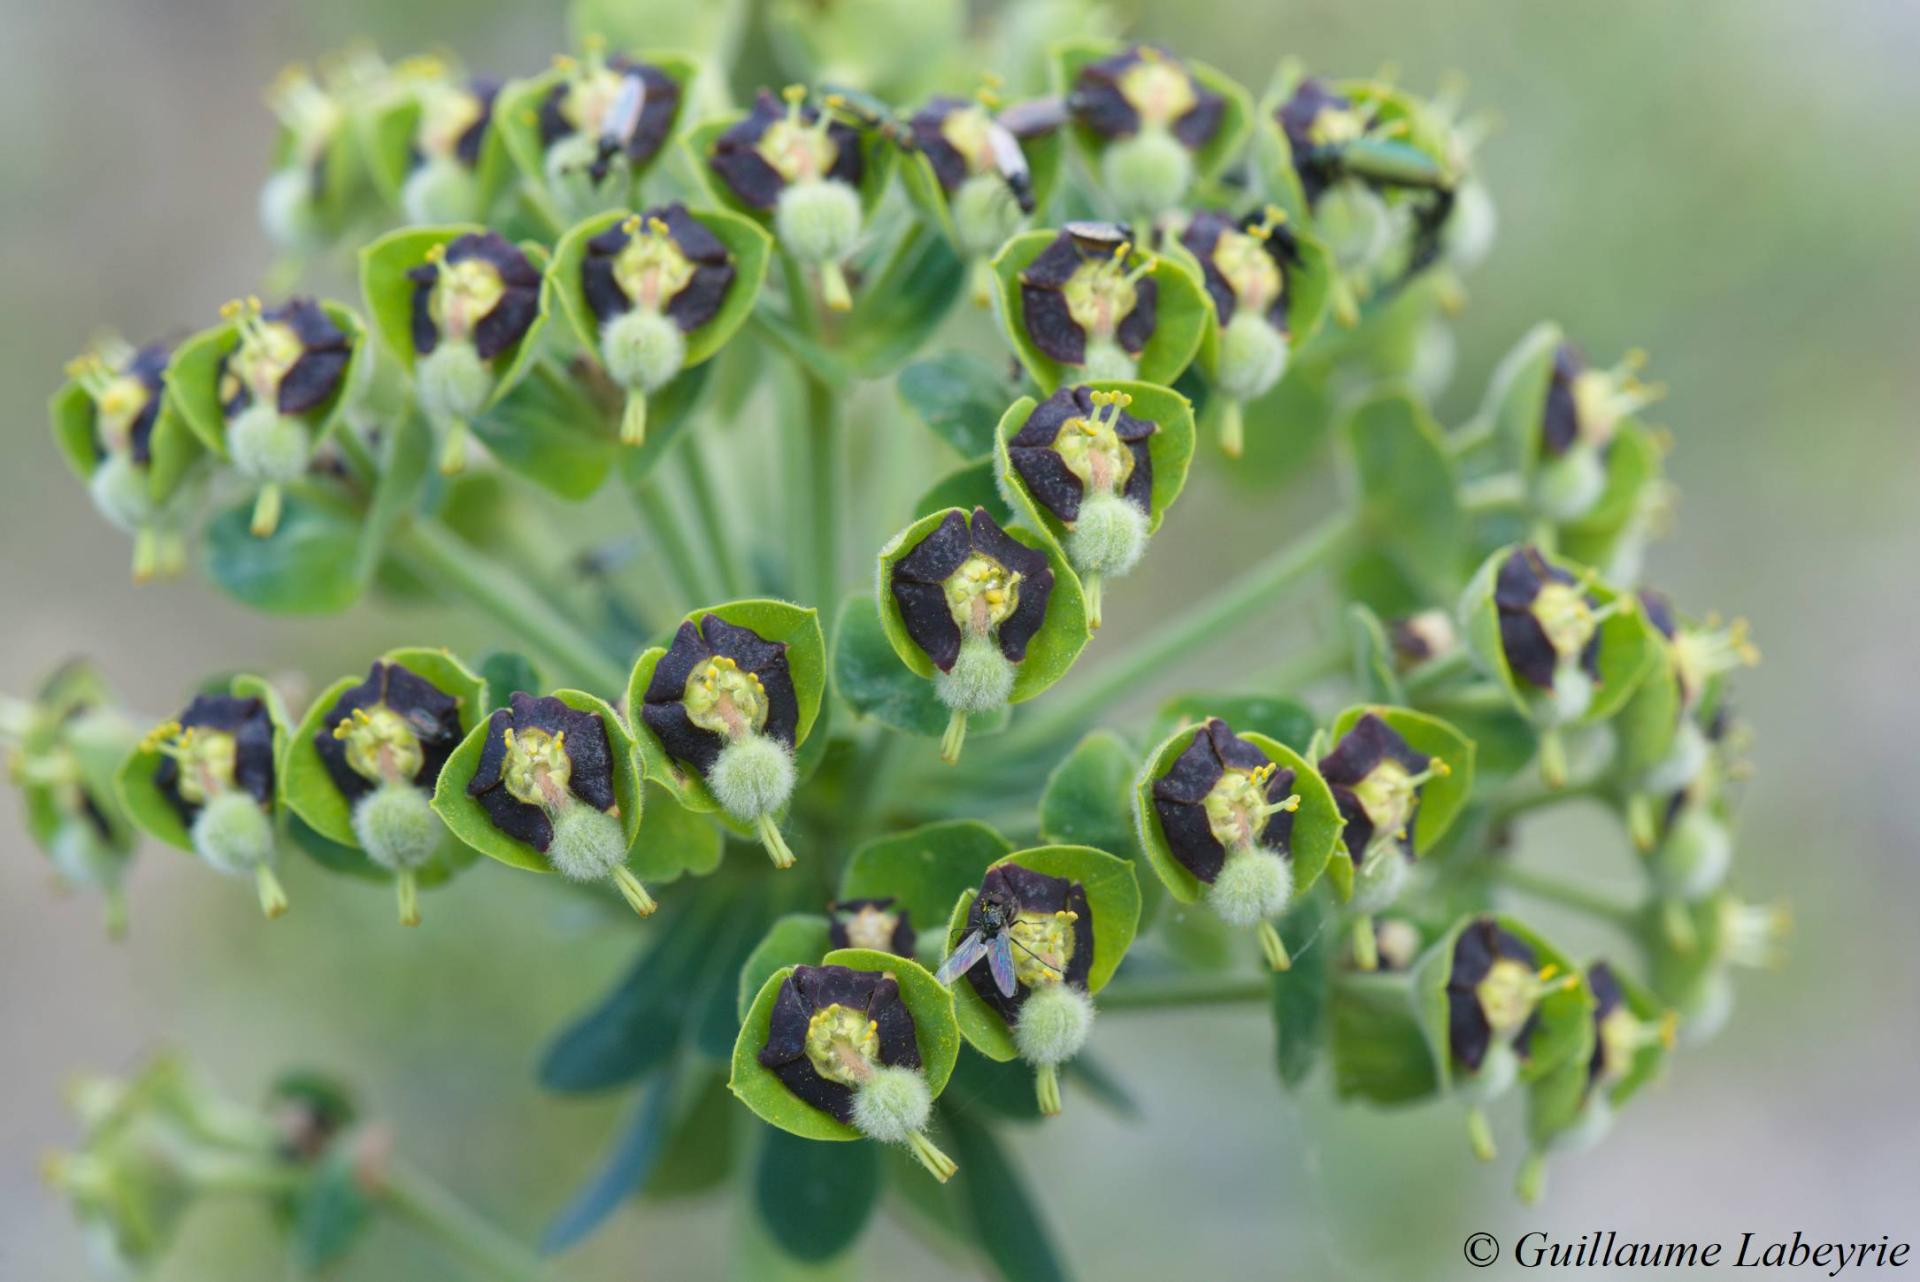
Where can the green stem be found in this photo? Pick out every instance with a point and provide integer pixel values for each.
(1187, 990)
(670, 533)
(1567, 895)
(1517, 804)
(1189, 629)
(824, 493)
(436, 555)
(715, 528)
(1501, 492)
(424, 1203)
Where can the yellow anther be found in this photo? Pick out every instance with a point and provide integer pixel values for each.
(995, 596)
(230, 309)
(506, 738)
(1122, 399)
(836, 101)
(1121, 251)
(1669, 1029)
(594, 42)
(1548, 971)
(630, 224)
(436, 252)
(253, 304)
(560, 741)
(159, 735)
(658, 226)
(1066, 914)
(795, 94)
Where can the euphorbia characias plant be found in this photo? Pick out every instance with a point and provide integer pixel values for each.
(823, 596)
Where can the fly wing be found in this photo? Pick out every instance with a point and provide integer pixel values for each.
(1012, 163)
(962, 959)
(1000, 961)
(624, 116)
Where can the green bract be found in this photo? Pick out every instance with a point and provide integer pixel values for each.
(467, 821)
(1316, 824)
(933, 1025)
(1181, 320)
(1113, 896)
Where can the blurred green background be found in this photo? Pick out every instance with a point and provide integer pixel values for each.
(1732, 184)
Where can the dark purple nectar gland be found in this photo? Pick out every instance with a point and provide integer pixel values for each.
(473, 299)
(545, 779)
(803, 165)
(971, 598)
(384, 743)
(1421, 638)
(1088, 300)
(1086, 460)
(722, 701)
(126, 387)
(1582, 413)
(1154, 115)
(1493, 1000)
(286, 364)
(843, 1041)
(600, 125)
(651, 280)
(874, 924)
(217, 772)
(1042, 928)
(982, 171)
(1227, 814)
(1246, 266)
(1376, 778)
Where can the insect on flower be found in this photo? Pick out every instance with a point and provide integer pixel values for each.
(602, 122)
(979, 161)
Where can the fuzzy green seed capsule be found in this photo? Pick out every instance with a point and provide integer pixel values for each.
(752, 777)
(1694, 859)
(1147, 173)
(818, 221)
(396, 826)
(267, 446)
(1252, 886)
(1107, 361)
(452, 381)
(232, 833)
(643, 350)
(1253, 356)
(119, 490)
(587, 845)
(1106, 542)
(441, 190)
(1568, 487)
(1053, 1025)
(892, 1105)
(1380, 878)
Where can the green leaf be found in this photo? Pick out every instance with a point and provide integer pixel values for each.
(700, 1153)
(797, 626)
(1316, 824)
(1441, 798)
(469, 822)
(637, 1026)
(1170, 448)
(1409, 505)
(1516, 399)
(330, 1212)
(797, 939)
(1113, 898)
(897, 311)
(1300, 994)
(1278, 717)
(1050, 652)
(507, 673)
(1087, 800)
(1634, 466)
(1378, 1050)
(815, 1199)
(674, 841)
(547, 429)
(306, 566)
(1182, 316)
(1373, 658)
(967, 487)
(959, 396)
(635, 1155)
(869, 675)
(748, 247)
(1004, 1212)
(925, 870)
(929, 1002)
